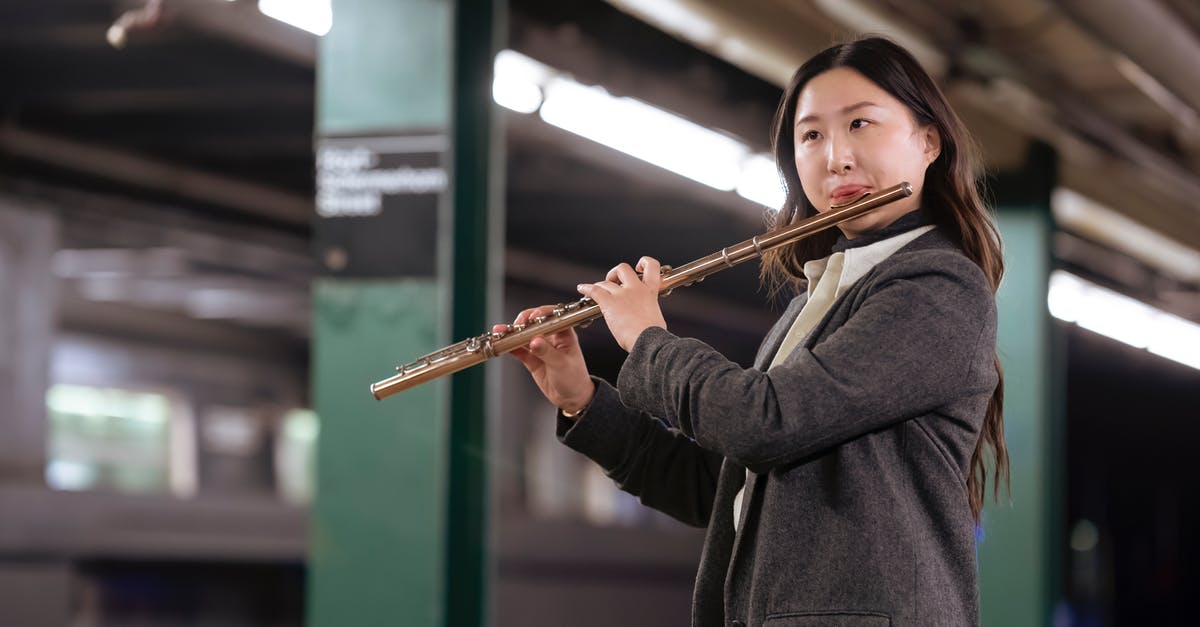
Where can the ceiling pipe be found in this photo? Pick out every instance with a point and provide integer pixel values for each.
(863, 18)
(761, 47)
(766, 44)
(239, 22)
(1150, 35)
(247, 197)
(704, 23)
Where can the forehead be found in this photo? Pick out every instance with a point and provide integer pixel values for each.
(827, 93)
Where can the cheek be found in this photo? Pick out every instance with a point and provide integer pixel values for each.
(810, 177)
(905, 160)
(801, 158)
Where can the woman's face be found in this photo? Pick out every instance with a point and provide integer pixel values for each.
(851, 137)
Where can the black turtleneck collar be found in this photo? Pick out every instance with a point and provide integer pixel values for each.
(907, 222)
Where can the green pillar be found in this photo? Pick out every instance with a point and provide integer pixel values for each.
(1018, 554)
(478, 277)
(405, 232)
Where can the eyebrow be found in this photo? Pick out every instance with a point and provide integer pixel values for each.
(853, 107)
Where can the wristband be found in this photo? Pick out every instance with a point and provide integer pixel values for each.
(574, 414)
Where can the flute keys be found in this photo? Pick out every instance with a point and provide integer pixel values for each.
(451, 358)
(423, 362)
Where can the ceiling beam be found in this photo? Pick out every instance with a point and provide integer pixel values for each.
(1160, 43)
(241, 22)
(248, 197)
(144, 99)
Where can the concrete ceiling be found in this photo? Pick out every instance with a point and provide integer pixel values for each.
(1119, 102)
(209, 112)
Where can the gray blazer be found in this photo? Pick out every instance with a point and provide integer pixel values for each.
(855, 511)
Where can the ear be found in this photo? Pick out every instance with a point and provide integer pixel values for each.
(933, 143)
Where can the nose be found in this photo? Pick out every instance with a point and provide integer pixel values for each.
(840, 158)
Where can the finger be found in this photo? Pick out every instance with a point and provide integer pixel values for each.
(535, 312)
(605, 288)
(497, 328)
(627, 275)
(651, 271)
(594, 291)
(544, 351)
(613, 275)
(526, 358)
(563, 340)
(538, 347)
(524, 316)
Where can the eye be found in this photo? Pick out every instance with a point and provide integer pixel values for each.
(808, 136)
(858, 123)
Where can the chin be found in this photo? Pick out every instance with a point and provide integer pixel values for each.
(859, 226)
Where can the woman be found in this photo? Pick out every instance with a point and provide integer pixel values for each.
(842, 477)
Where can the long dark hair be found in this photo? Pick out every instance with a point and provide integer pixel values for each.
(951, 197)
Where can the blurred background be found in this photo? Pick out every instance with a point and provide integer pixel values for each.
(221, 220)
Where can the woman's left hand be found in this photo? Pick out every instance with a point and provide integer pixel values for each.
(629, 303)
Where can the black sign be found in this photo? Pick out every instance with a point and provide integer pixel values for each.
(377, 204)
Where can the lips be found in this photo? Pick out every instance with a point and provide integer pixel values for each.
(846, 192)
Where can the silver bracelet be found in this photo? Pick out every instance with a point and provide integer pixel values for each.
(575, 414)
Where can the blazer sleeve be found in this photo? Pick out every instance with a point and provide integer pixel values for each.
(664, 468)
(907, 349)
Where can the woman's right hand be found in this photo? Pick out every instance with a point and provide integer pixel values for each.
(556, 364)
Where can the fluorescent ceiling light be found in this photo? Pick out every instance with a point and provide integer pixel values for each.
(518, 81)
(1082, 215)
(648, 133)
(62, 474)
(314, 16)
(759, 181)
(161, 261)
(679, 18)
(635, 128)
(1124, 319)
